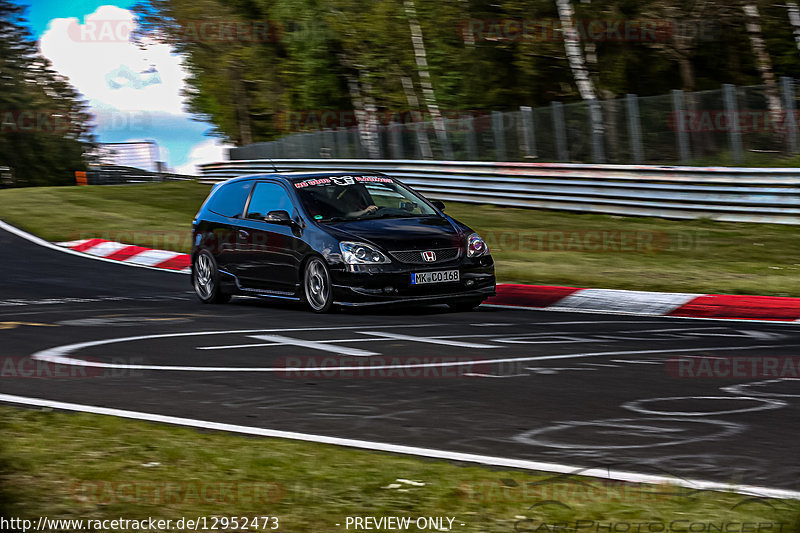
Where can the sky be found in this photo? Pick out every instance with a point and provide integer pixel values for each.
(134, 94)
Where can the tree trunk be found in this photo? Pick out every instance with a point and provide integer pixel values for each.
(577, 63)
(466, 32)
(242, 106)
(763, 62)
(413, 104)
(687, 73)
(364, 111)
(425, 77)
(794, 19)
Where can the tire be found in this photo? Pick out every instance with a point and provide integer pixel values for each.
(205, 279)
(464, 305)
(317, 289)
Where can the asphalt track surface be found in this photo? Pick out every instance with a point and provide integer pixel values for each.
(578, 389)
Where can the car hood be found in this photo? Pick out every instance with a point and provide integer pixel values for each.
(418, 233)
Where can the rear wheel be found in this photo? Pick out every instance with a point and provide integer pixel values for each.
(206, 279)
(464, 305)
(317, 286)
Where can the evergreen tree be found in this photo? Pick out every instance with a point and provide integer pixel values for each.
(44, 128)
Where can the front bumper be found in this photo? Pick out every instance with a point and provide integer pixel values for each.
(360, 285)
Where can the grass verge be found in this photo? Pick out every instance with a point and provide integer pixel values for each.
(530, 246)
(109, 468)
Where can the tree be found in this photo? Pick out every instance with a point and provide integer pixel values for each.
(44, 124)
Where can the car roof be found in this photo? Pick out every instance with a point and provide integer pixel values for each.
(296, 175)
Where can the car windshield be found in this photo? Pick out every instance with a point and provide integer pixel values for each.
(359, 197)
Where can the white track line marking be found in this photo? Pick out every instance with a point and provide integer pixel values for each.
(467, 335)
(290, 341)
(428, 340)
(58, 354)
(41, 242)
(603, 473)
(476, 375)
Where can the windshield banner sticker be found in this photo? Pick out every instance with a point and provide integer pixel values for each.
(342, 180)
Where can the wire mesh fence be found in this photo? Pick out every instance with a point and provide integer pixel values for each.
(731, 125)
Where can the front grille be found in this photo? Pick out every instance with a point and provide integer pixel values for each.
(414, 257)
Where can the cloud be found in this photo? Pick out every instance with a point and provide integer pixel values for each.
(108, 69)
(134, 93)
(208, 151)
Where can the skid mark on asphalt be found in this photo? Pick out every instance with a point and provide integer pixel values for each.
(756, 388)
(761, 404)
(650, 432)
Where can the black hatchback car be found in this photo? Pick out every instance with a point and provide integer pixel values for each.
(333, 238)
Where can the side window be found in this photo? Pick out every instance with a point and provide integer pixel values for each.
(229, 199)
(268, 197)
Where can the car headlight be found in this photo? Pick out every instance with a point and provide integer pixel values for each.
(359, 253)
(476, 246)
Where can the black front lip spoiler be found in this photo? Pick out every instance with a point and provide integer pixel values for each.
(436, 298)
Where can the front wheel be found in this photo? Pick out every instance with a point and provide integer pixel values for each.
(206, 279)
(464, 305)
(317, 286)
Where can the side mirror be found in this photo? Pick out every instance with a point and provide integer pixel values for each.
(438, 205)
(278, 217)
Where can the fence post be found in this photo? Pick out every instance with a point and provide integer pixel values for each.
(499, 136)
(327, 141)
(680, 130)
(355, 142)
(787, 87)
(444, 140)
(529, 135)
(561, 135)
(596, 126)
(316, 145)
(310, 146)
(734, 133)
(469, 134)
(395, 140)
(634, 128)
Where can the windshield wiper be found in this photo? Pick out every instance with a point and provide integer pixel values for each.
(343, 219)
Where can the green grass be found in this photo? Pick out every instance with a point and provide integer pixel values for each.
(69, 465)
(664, 255)
(152, 215)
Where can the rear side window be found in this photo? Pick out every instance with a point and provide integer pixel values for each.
(268, 197)
(229, 199)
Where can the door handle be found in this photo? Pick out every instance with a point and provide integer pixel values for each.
(243, 234)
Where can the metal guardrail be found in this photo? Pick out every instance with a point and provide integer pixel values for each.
(767, 195)
(118, 175)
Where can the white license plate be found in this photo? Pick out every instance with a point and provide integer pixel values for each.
(442, 276)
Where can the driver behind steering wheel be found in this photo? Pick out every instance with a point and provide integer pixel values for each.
(357, 199)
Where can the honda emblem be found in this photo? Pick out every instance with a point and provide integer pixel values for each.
(429, 256)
